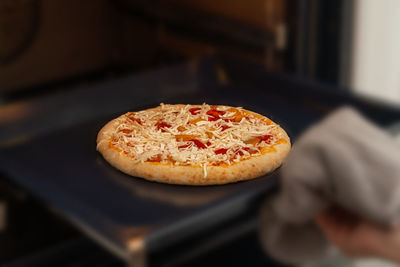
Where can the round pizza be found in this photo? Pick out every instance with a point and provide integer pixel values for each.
(193, 144)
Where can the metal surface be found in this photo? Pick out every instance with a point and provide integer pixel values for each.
(130, 216)
(66, 171)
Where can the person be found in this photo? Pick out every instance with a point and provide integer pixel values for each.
(340, 185)
(358, 237)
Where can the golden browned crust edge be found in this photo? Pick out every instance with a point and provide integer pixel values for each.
(189, 175)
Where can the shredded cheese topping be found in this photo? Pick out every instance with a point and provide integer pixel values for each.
(195, 135)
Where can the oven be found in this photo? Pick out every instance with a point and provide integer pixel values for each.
(63, 205)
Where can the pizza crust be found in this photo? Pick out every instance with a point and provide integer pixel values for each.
(191, 175)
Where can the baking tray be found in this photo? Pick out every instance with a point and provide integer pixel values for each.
(128, 215)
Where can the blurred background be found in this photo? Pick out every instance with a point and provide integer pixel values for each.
(352, 44)
(70, 62)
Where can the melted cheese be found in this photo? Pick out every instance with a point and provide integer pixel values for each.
(167, 135)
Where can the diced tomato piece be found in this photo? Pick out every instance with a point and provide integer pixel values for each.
(221, 151)
(248, 149)
(224, 127)
(194, 111)
(198, 143)
(134, 119)
(184, 146)
(213, 118)
(165, 125)
(161, 125)
(214, 114)
(127, 131)
(235, 119)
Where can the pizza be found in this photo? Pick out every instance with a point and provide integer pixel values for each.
(193, 144)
